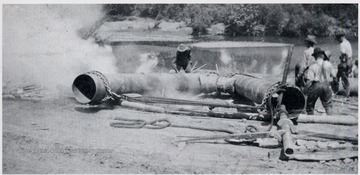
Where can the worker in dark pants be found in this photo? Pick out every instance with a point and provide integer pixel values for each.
(345, 66)
(343, 75)
(183, 59)
(316, 84)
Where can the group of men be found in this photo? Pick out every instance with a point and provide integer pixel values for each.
(316, 75)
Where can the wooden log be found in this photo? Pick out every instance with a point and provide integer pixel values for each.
(324, 154)
(328, 119)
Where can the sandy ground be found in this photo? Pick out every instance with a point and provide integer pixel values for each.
(61, 136)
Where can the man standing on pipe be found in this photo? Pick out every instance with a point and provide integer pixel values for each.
(300, 70)
(182, 59)
(316, 84)
(345, 66)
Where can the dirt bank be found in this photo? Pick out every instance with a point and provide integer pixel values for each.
(61, 136)
(144, 30)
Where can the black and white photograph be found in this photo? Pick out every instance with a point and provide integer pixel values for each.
(180, 88)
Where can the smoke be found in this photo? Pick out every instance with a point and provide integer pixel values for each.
(149, 61)
(41, 45)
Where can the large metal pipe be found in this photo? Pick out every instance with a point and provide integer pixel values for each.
(353, 85)
(256, 89)
(91, 87)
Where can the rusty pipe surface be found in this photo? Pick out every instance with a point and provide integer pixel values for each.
(252, 88)
(91, 87)
(256, 89)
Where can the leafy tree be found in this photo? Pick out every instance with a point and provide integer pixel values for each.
(242, 20)
(200, 18)
(118, 9)
(274, 20)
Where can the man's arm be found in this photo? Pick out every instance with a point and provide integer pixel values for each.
(353, 71)
(333, 74)
(302, 64)
(332, 71)
(310, 76)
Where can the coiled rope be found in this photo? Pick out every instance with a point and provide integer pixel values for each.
(157, 124)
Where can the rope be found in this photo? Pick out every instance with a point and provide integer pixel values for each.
(157, 124)
(137, 124)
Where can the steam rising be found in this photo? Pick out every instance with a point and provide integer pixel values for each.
(149, 61)
(41, 45)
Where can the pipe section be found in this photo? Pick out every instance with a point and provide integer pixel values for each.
(285, 124)
(91, 87)
(256, 89)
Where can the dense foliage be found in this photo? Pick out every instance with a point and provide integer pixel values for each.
(290, 20)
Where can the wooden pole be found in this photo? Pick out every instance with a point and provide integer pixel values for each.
(328, 119)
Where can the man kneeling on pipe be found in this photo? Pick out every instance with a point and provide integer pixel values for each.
(183, 59)
(316, 84)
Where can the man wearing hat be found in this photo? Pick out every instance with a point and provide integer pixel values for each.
(183, 59)
(317, 85)
(300, 70)
(344, 68)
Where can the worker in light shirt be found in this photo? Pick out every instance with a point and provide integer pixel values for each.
(316, 84)
(307, 60)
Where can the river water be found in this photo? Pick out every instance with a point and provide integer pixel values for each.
(133, 56)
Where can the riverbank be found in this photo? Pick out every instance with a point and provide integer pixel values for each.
(144, 30)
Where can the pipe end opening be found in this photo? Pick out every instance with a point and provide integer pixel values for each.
(294, 100)
(289, 151)
(84, 88)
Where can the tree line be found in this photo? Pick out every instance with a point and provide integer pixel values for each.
(288, 20)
